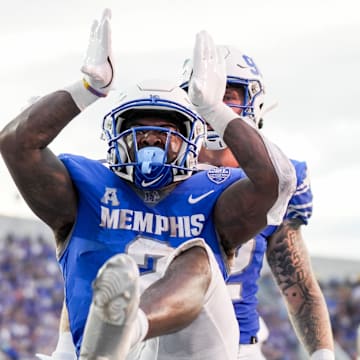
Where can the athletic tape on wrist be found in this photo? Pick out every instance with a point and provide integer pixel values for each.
(218, 117)
(81, 96)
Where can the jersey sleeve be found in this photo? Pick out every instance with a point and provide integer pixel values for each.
(301, 203)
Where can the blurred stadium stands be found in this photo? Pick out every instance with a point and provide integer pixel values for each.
(31, 289)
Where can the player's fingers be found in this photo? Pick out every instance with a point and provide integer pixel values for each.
(106, 36)
(220, 55)
(107, 14)
(220, 64)
(208, 52)
(211, 48)
(93, 29)
(198, 55)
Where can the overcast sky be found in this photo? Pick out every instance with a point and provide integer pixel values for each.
(308, 51)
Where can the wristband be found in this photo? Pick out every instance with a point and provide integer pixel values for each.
(81, 96)
(322, 354)
(92, 90)
(218, 117)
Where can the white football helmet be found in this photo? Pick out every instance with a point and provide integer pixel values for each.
(148, 168)
(241, 70)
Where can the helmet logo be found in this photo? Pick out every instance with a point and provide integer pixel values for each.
(154, 98)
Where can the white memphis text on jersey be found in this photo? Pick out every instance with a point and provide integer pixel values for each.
(148, 222)
(175, 226)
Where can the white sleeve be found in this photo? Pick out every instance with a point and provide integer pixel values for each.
(287, 182)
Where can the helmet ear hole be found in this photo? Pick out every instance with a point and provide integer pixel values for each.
(260, 123)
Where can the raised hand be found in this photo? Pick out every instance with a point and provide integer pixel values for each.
(98, 67)
(208, 83)
(208, 80)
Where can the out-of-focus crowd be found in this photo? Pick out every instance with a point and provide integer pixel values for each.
(31, 289)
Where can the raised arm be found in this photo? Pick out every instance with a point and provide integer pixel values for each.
(260, 199)
(40, 176)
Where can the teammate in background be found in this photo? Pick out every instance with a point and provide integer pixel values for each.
(283, 245)
(107, 220)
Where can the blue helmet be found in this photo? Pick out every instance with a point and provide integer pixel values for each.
(149, 167)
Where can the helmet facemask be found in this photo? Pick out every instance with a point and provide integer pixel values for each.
(149, 167)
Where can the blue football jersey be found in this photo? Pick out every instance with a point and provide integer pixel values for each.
(112, 218)
(242, 283)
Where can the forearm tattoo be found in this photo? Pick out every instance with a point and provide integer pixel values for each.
(289, 261)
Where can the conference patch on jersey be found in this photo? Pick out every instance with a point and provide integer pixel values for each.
(218, 175)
